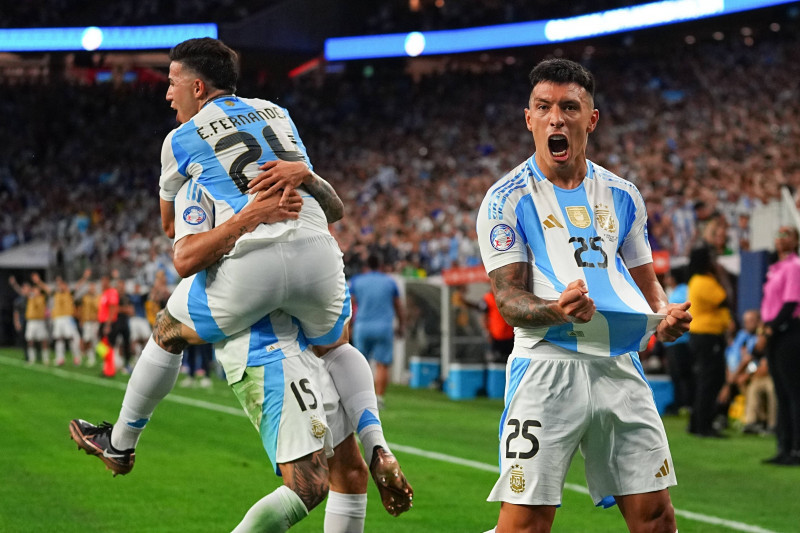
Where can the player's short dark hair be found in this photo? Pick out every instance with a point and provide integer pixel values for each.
(213, 60)
(374, 262)
(562, 71)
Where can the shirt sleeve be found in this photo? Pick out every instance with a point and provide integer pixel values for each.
(194, 210)
(636, 247)
(791, 287)
(171, 178)
(499, 239)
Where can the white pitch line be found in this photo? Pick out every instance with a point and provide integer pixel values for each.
(172, 397)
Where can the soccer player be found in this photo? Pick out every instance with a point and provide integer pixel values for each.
(565, 246)
(139, 326)
(87, 313)
(226, 287)
(35, 319)
(377, 299)
(63, 316)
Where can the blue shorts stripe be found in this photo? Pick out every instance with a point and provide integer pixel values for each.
(518, 368)
(335, 332)
(271, 410)
(197, 304)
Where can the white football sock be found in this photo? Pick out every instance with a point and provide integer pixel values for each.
(353, 380)
(345, 513)
(31, 354)
(152, 379)
(276, 512)
(60, 351)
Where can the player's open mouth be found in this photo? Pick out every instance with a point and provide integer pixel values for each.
(558, 145)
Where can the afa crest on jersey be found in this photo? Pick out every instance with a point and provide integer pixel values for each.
(517, 481)
(502, 237)
(317, 427)
(194, 215)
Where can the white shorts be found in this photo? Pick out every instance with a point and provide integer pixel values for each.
(290, 399)
(36, 330)
(303, 277)
(64, 328)
(558, 402)
(140, 329)
(90, 331)
(275, 349)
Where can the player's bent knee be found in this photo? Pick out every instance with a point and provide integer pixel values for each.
(169, 333)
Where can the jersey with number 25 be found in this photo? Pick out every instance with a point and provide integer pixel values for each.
(221, 149)
(595, 232)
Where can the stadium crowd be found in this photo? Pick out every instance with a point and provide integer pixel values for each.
(411, 156)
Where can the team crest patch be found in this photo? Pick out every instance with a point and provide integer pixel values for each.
(502, 237)
(317, 427)
(604, 220)
(517, 479)
(229, 103)
(194, 215)
(579, 216)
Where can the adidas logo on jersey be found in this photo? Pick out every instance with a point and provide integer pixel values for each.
(664, 470)
(552, 222)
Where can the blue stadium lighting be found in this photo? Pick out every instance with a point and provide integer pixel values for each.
(103, 38)
(536, 32)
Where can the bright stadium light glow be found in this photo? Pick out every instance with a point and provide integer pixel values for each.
(631, 18)
(101, 38)
(536, 32)
(415, 43)
(92, 38)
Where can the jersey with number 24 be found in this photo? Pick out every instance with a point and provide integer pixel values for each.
(221, 149)
(595, 232)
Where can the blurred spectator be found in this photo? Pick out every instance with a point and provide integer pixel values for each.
(19, 306)
(711, 321)
(197, 360)
(748, 375)
(679, 360)
(781, 315)
(501, 335)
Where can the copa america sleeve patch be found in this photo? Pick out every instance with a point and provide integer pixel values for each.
(194, 215)
(503, 237)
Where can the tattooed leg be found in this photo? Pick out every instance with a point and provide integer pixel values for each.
(308, 478)
(172, 335)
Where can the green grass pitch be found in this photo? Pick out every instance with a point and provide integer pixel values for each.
(200, 466)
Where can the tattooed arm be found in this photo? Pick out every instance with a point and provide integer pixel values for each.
(323, 192)
(520, 307)
(288, 175)
(198, 251)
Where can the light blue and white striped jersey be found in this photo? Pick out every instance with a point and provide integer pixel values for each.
(595, 232)
(221, 149)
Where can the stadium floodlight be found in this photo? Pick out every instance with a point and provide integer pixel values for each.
(101, 38)
(535, 32)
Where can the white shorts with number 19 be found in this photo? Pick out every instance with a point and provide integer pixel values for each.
(558, 402)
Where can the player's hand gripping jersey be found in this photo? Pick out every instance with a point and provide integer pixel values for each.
(221, 149)
(595, 232)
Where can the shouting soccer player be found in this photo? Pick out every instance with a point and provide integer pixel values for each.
(565, 246)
